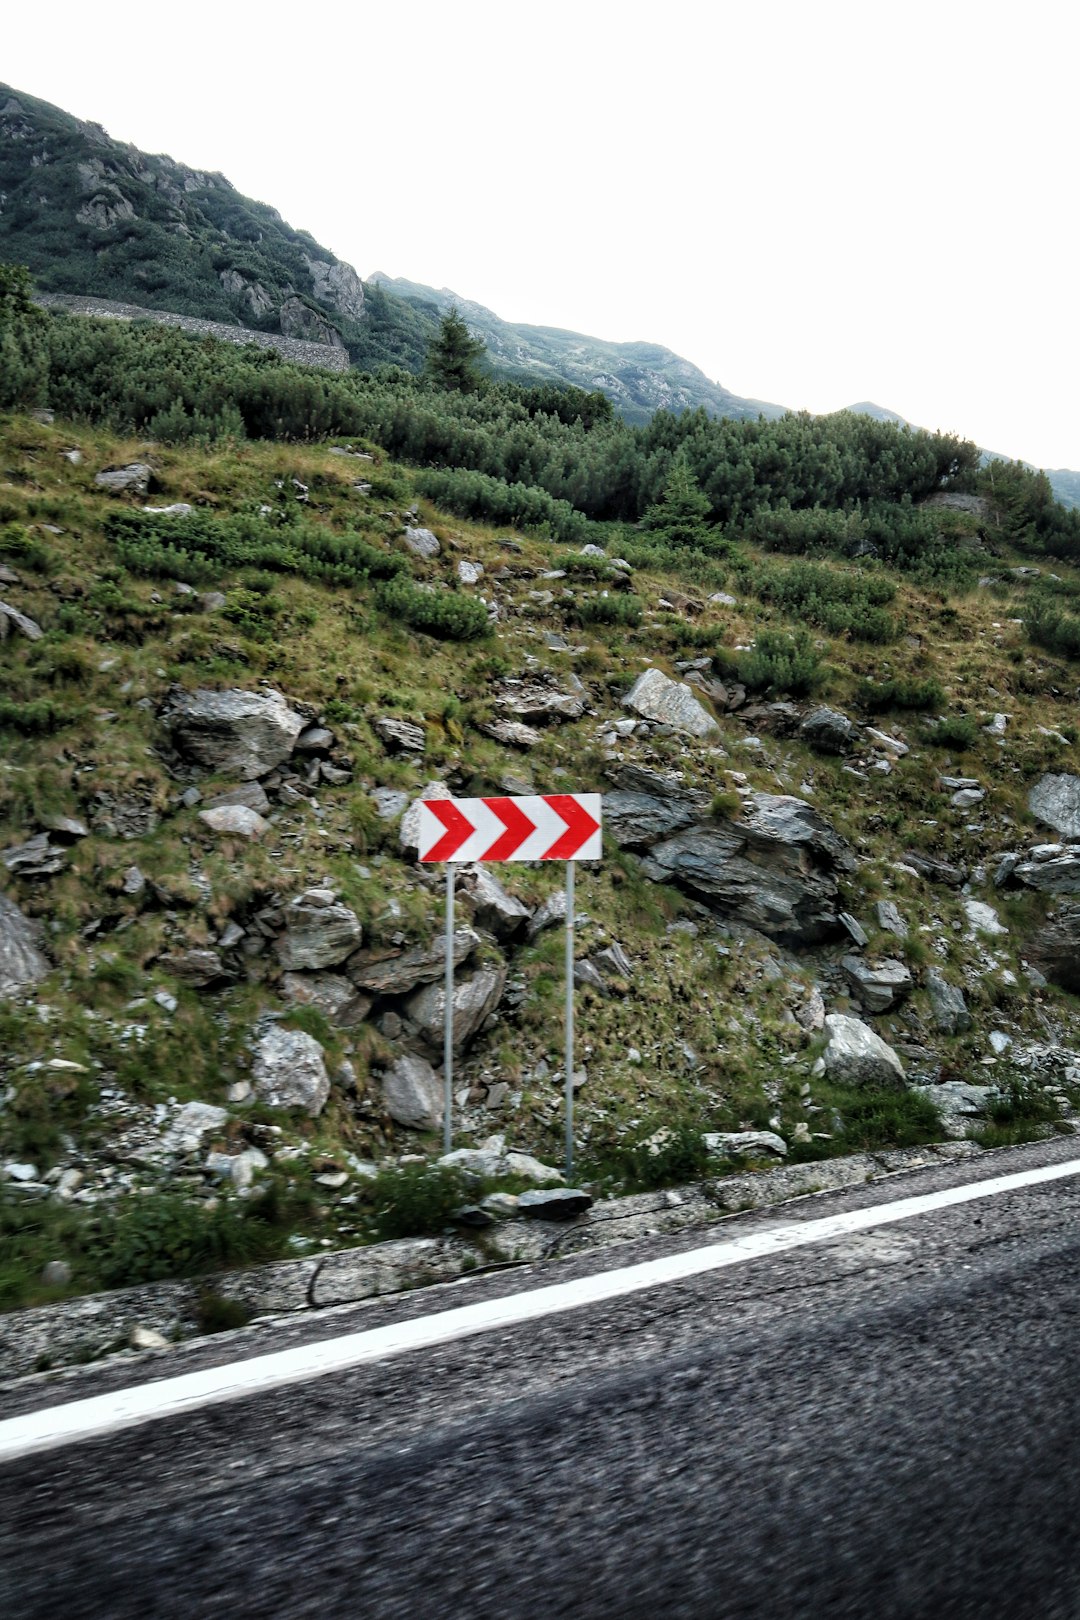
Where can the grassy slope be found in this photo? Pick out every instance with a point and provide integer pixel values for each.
(730, 1000)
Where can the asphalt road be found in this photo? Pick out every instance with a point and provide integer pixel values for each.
(884, 1425)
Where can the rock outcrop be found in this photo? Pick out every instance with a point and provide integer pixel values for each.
(243, 733)
(22, 962)
(1055, 801)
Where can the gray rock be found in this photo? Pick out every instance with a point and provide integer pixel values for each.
(234, 820)
(331, 994)
(409, 831)
(315, 740)
(12, 619)
(1055, 948)
(554, 1203)
(15, 1170)
(889, 919)
(1059, 876)
(289, 1070)
(882, 740)
(538, 704)
(37, 857)
(133, 479)
(935, 871)
(550, 912)
(251, 795)
(421, 542)
(195, 967)
(474, 1001)
(984, 918)
(22, 963)
(319, 932)
(958, 1104)
(644, 806)
(878, 985)
(400, 736)
(396, 973)
(856, 1056)
(247, 733)
(191, 1125)
(413, 1094)
(134, 882)
(967, 798)
(492, 908)
(56, 1274)
(68, 829)
(176, 509)
(828, 731)
(773, 870)
(511, 733)
(1055, 801)
(746, 1144)
(470, 573)
(493, 1158)
(947, 1004)
(389, 803)
(655, 696)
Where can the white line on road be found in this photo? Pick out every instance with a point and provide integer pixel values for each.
(55, 1426)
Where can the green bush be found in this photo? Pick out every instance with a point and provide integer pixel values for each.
(415, 1200)
(448, 614)
(1051, 629)
(163, 1235)
(901, 693)
(1020, 1112)
(37, 717)
(642, 1165)
(956, 731)
(615, 608)
(778, 662)
(863, 1120)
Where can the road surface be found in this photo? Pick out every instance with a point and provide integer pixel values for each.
(884, 1422)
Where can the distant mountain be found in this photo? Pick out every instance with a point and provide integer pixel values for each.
(1065, 484)
(638, 378)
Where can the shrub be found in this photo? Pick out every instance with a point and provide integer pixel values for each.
(415, 1200)
(165, 1235)
(779, 662)
(1021, 1112)
(620, 609)
(445, 613)
(957, 731)
(37, 717)
(900, 693)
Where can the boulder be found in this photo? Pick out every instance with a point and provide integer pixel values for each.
(37, 857)
(243, 733)
(655, 696)
(315, 740)
(195, 967)
(289, 1070)
(132, 479)
(511, 733)
(935, 871)
(878, 985)
(984, 919)
(493, 1158)
(958, 1104)
(409, 831)
(396, 973)
(251, 795)
(855, 1056)
(192, 1123)
(1055, 949)
(947, 1004)
(329, 993)
(550, 912)
(474, 1001)
(400, 736)
(234, 820)
(554, 1203)
(1059, 875)
(645, 806)
(22, 964)
(319, 932)
(539, 704)
(12, 619)
(1055, 801)
(889, 919)
(492, 908)
(413, 1093)
(421, 542)
(828, 731)
(773, 870)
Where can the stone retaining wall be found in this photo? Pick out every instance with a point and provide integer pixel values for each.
(301, 353)
(79, 1330)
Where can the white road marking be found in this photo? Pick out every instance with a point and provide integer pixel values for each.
(55, 1426)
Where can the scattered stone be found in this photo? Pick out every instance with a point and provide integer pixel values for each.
(320, 931)
(134, 883)
(492, 908)
(536, 702)
(889, 919)
(144, 1338)
(69, 829)
(655, 696)
(234, 820)
(999, 1042)
(315, 740)
(251, 795)
(409, 831)
(854, 928)
(554, 1203)
(935, 871)
(14, 1170)
(828, 731)
(947, 1004)
(22, 963)
(56, 1274)
(967, 798)
(12, 619)
(400, 736)
(177, 509)
(1055, 800)
(330, 994)
(246, 733)
(984, 918)
(396, 973)
(878, 985)
(958, 1104)
(646, 806)
(35, 858)
(511, 733)
(413, 1094)
(856, 1056)
(470, 573)
(421, 542)
(289, 1070)
(891, 745)
(389, 803)
(746, 1144)
(474, 1001)
(190, 1126)
(550, 912)
(133, 479)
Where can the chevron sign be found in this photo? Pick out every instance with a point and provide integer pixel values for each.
(548, 827)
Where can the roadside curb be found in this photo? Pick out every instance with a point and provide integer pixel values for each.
(75, 1331)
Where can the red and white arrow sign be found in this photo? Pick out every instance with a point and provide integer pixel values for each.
(548, 827)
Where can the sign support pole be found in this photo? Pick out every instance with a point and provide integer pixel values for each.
(448, 1023)
(569, 1020)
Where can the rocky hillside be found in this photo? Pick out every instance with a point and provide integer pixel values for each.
(837, 905)
(638, 378)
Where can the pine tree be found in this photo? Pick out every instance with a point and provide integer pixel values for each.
(452, 356)
(681, 516)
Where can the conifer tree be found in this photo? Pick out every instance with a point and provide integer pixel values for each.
(452, 357)
(681, 516)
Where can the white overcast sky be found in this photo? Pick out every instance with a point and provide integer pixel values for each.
(817, 203)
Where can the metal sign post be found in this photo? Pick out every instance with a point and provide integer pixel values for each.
(541, 827)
